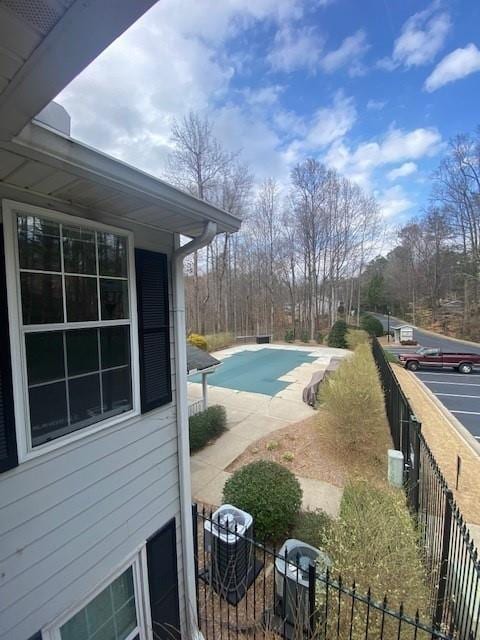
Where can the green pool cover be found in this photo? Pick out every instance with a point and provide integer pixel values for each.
(257, 371)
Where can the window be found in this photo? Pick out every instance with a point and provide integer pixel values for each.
(74, 295)
(116, 612)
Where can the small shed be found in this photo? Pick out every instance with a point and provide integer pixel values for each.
(403, 334)
(200, 362)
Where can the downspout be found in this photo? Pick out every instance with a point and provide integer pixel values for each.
(179, 325)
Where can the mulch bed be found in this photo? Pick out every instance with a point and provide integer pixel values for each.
(317, 451)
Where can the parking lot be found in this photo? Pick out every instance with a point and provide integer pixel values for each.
(458, 392)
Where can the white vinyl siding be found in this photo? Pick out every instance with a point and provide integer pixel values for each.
(70, 517)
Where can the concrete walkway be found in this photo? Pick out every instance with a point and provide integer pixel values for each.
(251, 416)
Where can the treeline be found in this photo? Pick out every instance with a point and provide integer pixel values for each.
(432, 276)
(295, 264)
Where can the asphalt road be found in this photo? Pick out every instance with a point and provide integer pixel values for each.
(458, 392)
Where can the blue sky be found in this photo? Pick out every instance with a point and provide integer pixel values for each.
(373, 88)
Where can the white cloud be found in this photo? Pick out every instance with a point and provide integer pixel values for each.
(171, 61)
(215, 21)
(376, 105)
(393, 201)
(348, 53)
(456, 65)
(396, 146)
(260, 145)
(331, 123)
(295, 48)
(406, 169)
(265, 96)
(422, 37)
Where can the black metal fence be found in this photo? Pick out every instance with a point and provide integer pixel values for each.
(451, 558)
(249, 590)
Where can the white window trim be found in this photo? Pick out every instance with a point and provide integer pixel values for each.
(26, 452)
(138, 562)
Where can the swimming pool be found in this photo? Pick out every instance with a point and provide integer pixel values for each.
(257, 371)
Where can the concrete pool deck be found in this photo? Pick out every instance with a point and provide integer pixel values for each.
(251, 416)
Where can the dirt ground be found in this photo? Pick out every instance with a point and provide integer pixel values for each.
(446, 444)
(311, 448)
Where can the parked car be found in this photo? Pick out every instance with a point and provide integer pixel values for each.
(438, 359)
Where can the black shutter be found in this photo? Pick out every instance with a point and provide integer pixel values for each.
(36, 636)
(8, 440)
(153, 329)
(163, 583)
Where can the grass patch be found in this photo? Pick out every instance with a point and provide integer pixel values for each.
(206, 426)
(353, 398)
(312, 527)
(375, 543)
(216, 341)
(355, 337)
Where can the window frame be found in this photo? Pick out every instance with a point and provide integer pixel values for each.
(11, 209)
(138, 562)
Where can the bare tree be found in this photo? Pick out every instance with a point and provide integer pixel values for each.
(197, 164)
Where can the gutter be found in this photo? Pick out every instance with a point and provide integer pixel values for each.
(180, 349)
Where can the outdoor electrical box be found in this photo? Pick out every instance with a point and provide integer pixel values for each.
(395, 468)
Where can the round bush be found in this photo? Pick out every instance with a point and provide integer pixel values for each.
(198, 341)
(270, 493)
(371, 325)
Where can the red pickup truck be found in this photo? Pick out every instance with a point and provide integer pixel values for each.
(438, 359)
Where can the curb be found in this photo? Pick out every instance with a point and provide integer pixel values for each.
(456, 424)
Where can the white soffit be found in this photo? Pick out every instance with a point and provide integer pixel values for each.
(47, 169)
(44, 44)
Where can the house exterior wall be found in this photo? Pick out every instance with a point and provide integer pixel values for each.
(70, 517)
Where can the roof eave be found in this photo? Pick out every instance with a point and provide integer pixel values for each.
(59, 58)
(40, 143)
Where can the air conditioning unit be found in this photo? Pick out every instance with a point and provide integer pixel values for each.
(232, 555)
(291, 581)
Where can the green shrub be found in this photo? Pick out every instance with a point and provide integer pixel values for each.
(374, 542)
(319, 337)
(337, 335)
(206, 426)
(304, 336)
(216, 341)
(312, 527)
(354, 399)
(289, 335)
(390, 356)
(270, 493)
(371, 325)
(197, 340)
(356, 337)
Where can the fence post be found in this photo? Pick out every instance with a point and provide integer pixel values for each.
(442, 578)
(311, 597)
(415, 430)
(195, 549)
